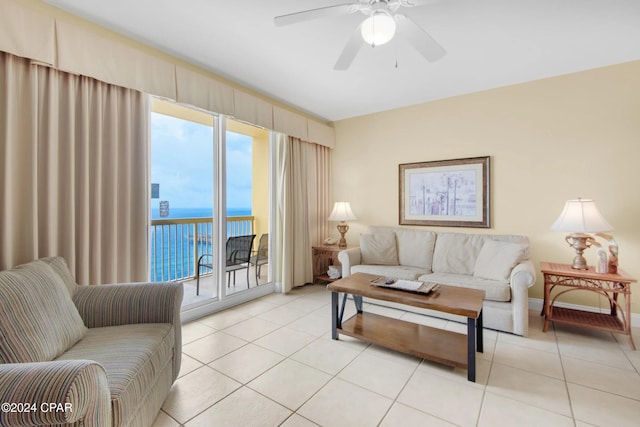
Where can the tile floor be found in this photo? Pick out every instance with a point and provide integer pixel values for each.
(271, 362)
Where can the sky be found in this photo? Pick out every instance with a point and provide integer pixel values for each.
(182, 163)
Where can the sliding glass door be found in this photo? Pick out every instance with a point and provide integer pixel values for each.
(210, 202)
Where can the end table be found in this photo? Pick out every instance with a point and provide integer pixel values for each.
(323, 257)
(562, 278)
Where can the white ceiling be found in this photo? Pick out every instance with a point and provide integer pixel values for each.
(489, 43)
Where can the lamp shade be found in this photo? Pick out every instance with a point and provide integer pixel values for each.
(379, 28)
(342, 212)
(581, 216)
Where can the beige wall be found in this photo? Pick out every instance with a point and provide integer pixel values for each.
(549, 140)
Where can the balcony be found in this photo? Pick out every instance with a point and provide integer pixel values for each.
(176, 245)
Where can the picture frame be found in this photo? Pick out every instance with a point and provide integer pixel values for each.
(448, 193)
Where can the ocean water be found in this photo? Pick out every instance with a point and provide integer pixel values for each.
(175, 249)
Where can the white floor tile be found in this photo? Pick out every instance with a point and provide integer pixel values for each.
(527, 387)
(453, 401)
(602, 377)
(256, 307)
(501, 411)
(328, 355)
(246, 363)
(592, 345)
(164, 420)
(282, 315)
(197, 391)
(380, 375)
(225, 318)
(402, 416)
(528, 359)
(189, 364)
(251, 329)
(310, 303)
(212, 346)
(296, 420)
(290, 383)
(603, 409)
(244, 407)
(285, 341)
(340, 403)
(313, 324)
(194, 330)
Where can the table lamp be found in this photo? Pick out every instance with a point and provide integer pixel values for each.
(579, 217)
(342, 212)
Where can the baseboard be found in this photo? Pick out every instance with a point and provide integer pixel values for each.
(536, 304)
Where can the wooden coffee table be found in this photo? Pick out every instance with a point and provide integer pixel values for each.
(438, 345)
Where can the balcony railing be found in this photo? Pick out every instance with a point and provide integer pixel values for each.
(176, 244)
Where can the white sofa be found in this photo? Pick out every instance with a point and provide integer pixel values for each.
(497, 264)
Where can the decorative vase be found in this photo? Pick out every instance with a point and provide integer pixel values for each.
(602, 265)
(613, 252)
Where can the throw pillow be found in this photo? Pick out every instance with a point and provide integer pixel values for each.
(59, 265)
(496, 260)
(456, 253)
(38, 320)
(379, 249)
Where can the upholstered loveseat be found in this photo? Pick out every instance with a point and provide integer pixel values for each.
(101, 355)
(497, 264)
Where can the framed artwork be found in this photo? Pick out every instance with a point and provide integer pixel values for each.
(450, 193)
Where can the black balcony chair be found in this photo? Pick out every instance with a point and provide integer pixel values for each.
(238, 252)
(261, 256)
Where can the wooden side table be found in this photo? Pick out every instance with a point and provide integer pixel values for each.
(563, 279)
(323, 257)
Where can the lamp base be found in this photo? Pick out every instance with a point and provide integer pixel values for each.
(343, 227)
(579, 242)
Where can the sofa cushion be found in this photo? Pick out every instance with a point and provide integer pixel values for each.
(415, 247)
(395, 271)
(457, 252)
(494, 290)
(38, 320)
(497, 259)
(379, 249)
(132, 356)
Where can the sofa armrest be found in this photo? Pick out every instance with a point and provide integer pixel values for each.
(53, 393)
(348, 258)
(122, 304)
(523, 276)
(130, 303)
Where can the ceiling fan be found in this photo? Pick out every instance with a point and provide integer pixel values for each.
(377, 29)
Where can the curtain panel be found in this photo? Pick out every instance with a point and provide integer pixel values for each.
(73, 172)
(304, 200)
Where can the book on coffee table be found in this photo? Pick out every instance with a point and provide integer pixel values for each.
(404, 285)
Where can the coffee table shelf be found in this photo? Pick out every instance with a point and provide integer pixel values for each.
(437, 345)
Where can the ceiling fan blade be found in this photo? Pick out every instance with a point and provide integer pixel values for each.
(415, 3)
(322, 12)
(419, 38)
(350, 50)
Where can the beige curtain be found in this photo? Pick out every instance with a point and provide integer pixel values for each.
(303, 197)
(73, 172)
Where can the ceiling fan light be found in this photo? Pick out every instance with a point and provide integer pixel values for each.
(378, 29)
